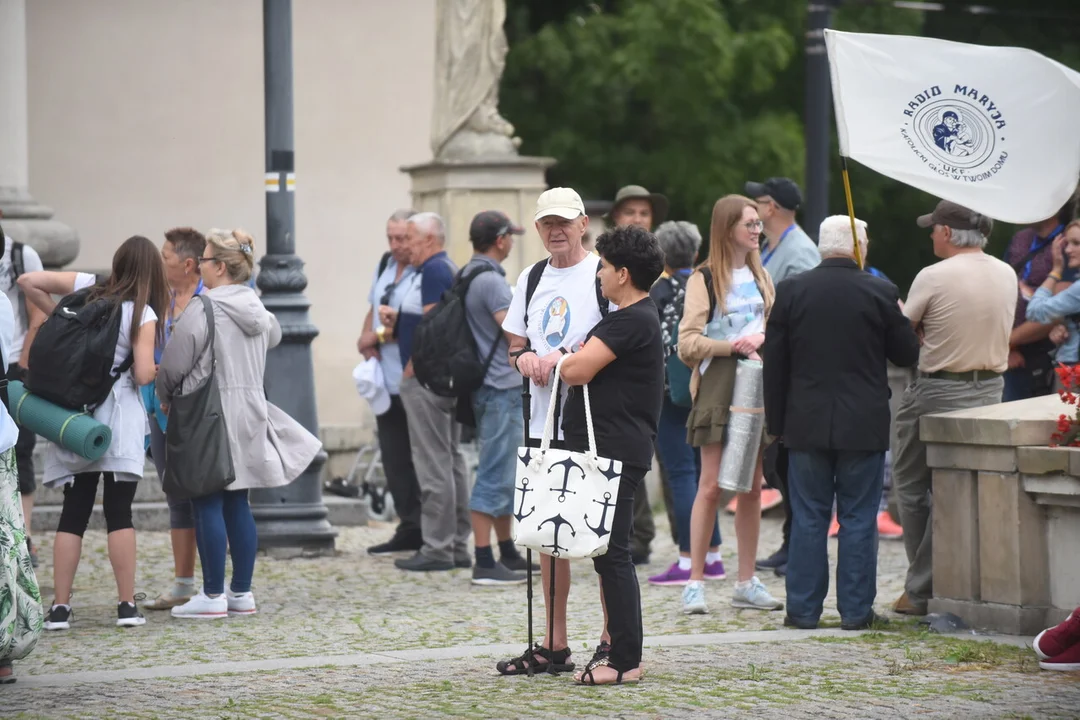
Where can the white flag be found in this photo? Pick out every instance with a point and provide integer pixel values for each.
(995, 129)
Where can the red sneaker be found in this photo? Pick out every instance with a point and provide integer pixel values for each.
(887, 527)
(1054, 641)
(834, 528)
(1068, 661)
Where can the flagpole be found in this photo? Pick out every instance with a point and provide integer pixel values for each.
(851, 211)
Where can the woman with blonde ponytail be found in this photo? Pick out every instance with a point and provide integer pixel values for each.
(268, 448)
(727, 302)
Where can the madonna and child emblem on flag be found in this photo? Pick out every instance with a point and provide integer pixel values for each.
(958, 133)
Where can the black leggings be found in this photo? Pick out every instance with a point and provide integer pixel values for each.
(79, 498)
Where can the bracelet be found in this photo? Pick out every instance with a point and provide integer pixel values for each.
(1054, 276)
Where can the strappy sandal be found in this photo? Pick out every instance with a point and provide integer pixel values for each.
(588, 679)
(557, 662)
(603, 650)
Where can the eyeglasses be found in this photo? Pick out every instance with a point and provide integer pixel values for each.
(208, 259)
(754, 225)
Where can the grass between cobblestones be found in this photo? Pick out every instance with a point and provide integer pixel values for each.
(352, 603)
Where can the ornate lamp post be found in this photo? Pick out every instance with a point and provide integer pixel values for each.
(293, 515)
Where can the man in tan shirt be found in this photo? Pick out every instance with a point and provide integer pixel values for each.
(963, 309)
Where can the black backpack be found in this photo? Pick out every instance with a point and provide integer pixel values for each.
(444, 353)
(71, 360)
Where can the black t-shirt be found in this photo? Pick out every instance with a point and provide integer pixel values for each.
(627, 394)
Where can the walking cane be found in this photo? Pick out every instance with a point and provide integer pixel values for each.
(526, 400)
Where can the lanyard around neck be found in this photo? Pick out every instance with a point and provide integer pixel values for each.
(768, 256)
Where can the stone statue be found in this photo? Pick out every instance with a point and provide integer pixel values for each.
(470, 55)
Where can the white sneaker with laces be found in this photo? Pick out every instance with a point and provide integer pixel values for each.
(693, 598)
(240, 603)
(203, 607)
(755, 597)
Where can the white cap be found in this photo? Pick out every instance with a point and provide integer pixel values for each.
(564, 202)
(371, 385)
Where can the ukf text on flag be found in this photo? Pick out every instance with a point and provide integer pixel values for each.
(993, 128)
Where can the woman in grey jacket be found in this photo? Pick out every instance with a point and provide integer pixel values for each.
(268, 447)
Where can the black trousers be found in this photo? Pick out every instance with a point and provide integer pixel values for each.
(398, 466)
(24, 446)
(775, 466)
(619, 580)
(79, 498)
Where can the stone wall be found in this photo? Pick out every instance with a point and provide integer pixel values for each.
(1006, 523)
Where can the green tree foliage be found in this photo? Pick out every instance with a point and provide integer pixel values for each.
(693, 97)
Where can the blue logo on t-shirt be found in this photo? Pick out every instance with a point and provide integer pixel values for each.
(556, 322)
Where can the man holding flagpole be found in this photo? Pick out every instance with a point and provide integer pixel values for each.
(962, 308)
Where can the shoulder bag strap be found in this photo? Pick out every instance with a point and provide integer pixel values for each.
(600, 299)
(211, 331)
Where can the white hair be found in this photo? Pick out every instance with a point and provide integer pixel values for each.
(834, 237)
(967, 239)
(430, 223)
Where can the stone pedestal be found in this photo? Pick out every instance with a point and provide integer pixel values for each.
(459, 190)
(22, 217)
(1006, 516)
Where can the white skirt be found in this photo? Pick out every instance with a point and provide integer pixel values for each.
(125, 415)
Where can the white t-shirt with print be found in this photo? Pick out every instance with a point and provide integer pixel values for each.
(743, 313)
(564, 308)
(31, 263)
(127, 309)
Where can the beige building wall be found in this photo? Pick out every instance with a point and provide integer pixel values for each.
(147, 114)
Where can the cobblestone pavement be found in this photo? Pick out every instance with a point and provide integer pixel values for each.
(351, 636)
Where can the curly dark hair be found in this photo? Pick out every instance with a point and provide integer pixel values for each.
(635, 249)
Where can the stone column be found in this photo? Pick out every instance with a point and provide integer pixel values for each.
(23, 218)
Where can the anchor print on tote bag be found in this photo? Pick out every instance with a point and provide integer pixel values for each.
(564, 501)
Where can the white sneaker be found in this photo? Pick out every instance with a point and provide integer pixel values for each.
(240, 603)
(755, 597)
(203, 607)
(693, 598)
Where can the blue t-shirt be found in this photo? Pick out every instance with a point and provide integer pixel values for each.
(436, 277)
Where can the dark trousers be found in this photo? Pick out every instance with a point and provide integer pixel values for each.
(24, 446)
(854, 479)
(775, 466)
(618, 579)
(80, 496)
(644, 525)
(397, 464)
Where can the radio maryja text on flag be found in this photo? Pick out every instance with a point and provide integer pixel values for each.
(992, 128)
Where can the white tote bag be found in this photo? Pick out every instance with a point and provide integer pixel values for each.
(565, 501)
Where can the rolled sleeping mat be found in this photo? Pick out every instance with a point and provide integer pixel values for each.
(745, 425)
(72, 430)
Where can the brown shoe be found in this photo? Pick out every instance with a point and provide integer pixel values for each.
(905, 606)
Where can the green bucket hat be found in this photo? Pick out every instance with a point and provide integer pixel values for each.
(636, 192)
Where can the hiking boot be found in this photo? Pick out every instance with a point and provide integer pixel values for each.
(905, 606)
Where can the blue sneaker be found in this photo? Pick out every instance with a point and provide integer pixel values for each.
(693, 598)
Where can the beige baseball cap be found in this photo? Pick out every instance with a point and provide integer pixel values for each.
(564, 202)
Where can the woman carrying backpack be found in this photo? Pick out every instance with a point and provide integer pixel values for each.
(136, 288)
(268, 448)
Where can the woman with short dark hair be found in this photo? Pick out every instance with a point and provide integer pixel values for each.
(622, 362)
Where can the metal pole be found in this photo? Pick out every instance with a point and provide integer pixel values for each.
(818, 111)
(293, 515)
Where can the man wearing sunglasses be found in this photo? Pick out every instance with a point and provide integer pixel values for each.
(393, 279)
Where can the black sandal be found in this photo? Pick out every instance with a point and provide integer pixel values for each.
(526, 663)
(588, 679)
(603, 650)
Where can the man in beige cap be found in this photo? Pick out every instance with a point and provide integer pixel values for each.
(556, 303)
(963, 309)
(634, 205)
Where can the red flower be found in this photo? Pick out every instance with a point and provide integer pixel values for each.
(1064, 373)
(1063, 424)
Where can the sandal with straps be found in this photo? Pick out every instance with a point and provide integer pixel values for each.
(587, 677)
(556, 662)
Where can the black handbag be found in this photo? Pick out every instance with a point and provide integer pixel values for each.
(198, 461)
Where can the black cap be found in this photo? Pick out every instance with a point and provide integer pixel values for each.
(782, 190)
(489, 226)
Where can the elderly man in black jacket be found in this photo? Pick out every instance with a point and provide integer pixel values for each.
(827, 341)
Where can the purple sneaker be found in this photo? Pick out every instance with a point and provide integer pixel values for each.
(672, 576)
(715, 571)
